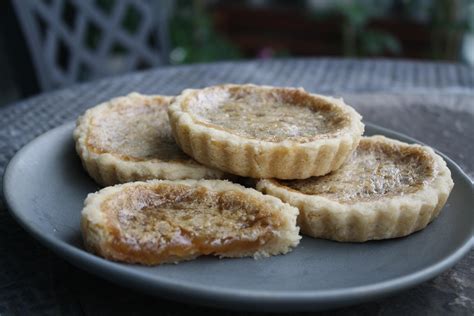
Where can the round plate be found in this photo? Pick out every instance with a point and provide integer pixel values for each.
(45, 187)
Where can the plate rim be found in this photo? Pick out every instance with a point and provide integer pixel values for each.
(223, 296)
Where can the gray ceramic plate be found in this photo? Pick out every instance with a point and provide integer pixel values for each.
(45, 186)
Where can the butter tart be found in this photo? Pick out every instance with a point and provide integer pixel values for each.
(162, 221)
(128, 138)
(263, 131)
(386, 189)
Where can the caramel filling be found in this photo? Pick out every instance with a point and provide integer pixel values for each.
(135, 129)
(163, 221)
(374, 171)
(275, 115)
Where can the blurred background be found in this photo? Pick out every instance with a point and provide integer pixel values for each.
(50, 44)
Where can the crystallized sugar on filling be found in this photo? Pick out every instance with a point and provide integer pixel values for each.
(374, 171)
(136, 129)
(274, 115)
(181, 220)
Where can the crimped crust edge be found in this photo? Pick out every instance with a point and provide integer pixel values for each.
(384, 218)
(109, 169)
(262, 159)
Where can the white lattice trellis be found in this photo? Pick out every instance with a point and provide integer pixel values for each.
(73, 40)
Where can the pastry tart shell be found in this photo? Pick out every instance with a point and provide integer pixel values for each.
(99, 238)
(108, 168)
(359, 221)
(222, 149)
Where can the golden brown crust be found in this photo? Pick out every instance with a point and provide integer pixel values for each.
(246, 155)
(163, 221)
(378, 216)
(105, 141)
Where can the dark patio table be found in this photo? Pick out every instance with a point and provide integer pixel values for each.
(432, 102)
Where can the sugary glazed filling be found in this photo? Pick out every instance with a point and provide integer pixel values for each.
(179, 220)
(374, 171)
(135, 129)
(273, 115)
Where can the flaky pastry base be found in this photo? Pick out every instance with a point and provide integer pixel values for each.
(359, 221)
(227, 151)
(109, 169)
(99, 239)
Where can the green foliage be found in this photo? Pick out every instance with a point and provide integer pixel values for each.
(356, 14)
(358, 38)
(374, 42)
(447, 27)
(193, 37)
(470, 17)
